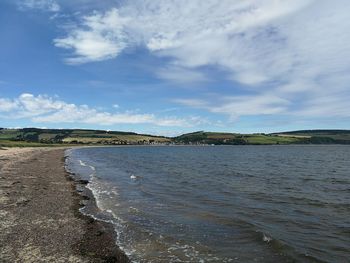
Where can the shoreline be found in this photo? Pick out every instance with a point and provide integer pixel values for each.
(39, 212)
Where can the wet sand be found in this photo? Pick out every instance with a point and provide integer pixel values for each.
(39, 212)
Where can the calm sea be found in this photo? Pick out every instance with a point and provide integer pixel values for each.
(223, 203)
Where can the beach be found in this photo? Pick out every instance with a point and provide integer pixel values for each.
(39, 212)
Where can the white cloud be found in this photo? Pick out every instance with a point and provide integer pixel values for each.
(44, 109)
(45, 5)
(7, 105)
(238, 106)
(195, 33)
(296, 50)
(181, 75)
(27, 105)
(100, 37)
(326, 107)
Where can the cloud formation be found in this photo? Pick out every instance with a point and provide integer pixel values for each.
(99, 37)
(45, 5)
(44, 109)
(234, 107)
(287, 56)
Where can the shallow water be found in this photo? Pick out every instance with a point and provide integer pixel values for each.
(224, 203)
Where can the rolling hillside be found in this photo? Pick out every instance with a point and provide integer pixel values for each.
(58, 137)
(320, 136)
(295, 137)
(38, 137)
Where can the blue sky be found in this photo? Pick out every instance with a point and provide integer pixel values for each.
(169, 67)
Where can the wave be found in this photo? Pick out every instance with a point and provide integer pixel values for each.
(271, 213)
(82, 163)
(86, 165)
(99, 192)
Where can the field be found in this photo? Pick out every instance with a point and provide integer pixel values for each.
(295, 137)
(53, 137)
(57, 137)
(235, 138)
(337, 135)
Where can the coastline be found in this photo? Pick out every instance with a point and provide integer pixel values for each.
(39, 212)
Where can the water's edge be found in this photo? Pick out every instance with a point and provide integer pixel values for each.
(88, 208)
(99, 197)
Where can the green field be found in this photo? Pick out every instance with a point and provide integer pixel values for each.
(59, 137)
(296, 137)
(234, 138)
(53, 137)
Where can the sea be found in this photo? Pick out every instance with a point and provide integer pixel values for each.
(222, 203)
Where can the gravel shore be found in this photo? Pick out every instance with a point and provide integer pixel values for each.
(39, 217)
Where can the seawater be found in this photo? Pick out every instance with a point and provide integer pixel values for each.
(223, 203)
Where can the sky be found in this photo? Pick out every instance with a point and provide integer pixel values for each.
(168, 67)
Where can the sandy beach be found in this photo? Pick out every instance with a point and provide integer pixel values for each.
(39, 217)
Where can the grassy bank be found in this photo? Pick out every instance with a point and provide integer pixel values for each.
(58, 137)
(32, 137)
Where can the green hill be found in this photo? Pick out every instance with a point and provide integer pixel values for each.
(233, 138)
(320, 136)
(294, 137)
(51, 137)
(59, 137)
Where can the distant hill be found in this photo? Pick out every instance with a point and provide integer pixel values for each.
(33, 136)
(320, 136)
(57, 137)
(293, 137)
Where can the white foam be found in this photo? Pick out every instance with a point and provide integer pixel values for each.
(114, 192)
(266, 238)
(85, 165)
(97, 190)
